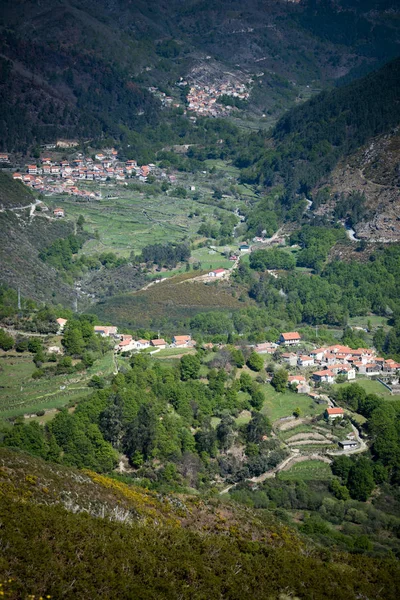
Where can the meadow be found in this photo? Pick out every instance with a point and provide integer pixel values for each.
(372, 386)
(20, 394)
(278, 405)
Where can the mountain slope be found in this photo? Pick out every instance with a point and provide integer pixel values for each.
(82, 69)
(309, 140)
(24, 233)
(73, 534)
(364, 188)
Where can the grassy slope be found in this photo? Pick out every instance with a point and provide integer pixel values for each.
(374, 387)
(151, 546)
(20, 394)
(279, 405)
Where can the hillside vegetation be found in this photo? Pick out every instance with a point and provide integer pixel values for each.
(78, 535)
(82, 69)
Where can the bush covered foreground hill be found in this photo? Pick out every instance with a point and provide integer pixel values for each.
(74, 534)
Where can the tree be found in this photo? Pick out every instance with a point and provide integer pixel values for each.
(257, 399)
(341, 466)
(189, 367)
(360, 481)
(279, 380)
(141, 434)
(73, 341)
(255, 362)
(258, 427)
(226, 432)
(6, 341)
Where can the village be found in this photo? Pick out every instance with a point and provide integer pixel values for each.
(324, 365)
(52, 177)
(203, 99)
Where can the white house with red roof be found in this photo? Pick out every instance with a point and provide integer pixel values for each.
(334, 413)
(58, 212)
(182, 341)
(291, 338)
(61, 324)
(305, 361)
(159, 343)
(106, 330)
(217, 273)
(296, 379)
(325, 376)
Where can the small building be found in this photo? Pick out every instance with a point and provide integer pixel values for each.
(59, 212)
(54, 350)
(4, 158)
(290, 338)
(265, 348)
(106, 330)
(296, 379)
(303, 388)
(182, 341)
(32, 169)
(159, 343)
(334, 413)
(325, 376)
(141, 344)
(244, 248)
(369, 369)
(61, 324)
(126, 344)
(305, 361)
(290, 358)
(347, 444)
(217, 273)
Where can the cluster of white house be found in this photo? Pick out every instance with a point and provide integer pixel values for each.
(126, 343)
(331, 361)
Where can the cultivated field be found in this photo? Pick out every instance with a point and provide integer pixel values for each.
(307, 470)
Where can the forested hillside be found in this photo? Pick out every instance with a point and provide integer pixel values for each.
(308, 141)
(82, 69)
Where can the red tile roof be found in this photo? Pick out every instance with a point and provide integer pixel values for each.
(291, 335)
(335, 411)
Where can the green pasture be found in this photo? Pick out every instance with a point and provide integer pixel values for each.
(308, 470)
(372, 386)
(278, 405)
(211, 259)
(133, 220)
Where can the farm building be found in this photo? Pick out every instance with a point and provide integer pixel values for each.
(217, 273)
